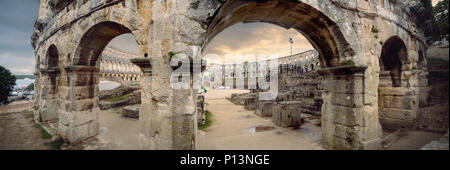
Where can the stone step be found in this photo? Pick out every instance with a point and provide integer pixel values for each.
(131, 111)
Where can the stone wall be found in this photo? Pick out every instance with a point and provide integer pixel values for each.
(348, 36)
(433, 111)
(116, 92)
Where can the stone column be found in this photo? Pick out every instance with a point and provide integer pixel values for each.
(78, 119)
(347, 123)
(145, 113)
(37, 96)
(173, 120)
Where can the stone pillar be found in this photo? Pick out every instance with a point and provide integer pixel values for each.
(78, 119)
(145, 113)
(173, 120)
(49, 102)
(37, 96)
(347, 123)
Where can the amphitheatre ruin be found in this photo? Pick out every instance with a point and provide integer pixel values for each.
(365, 82)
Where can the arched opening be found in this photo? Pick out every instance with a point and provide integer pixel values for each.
(50, 94)
(332, 48)
(393, 53)
(52, 57)
(52, 66)
(322, 33)
(395, 102)
(243, 111)
(421, 63)
(112, 103)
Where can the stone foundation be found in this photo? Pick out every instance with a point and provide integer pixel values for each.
(201, 110)
(264, 108)
(131, 112)
(287, 114)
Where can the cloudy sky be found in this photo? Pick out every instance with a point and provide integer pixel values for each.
(16, 25)
(255, 38)
(17, 19)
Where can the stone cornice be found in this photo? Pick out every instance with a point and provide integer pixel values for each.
(344, 70)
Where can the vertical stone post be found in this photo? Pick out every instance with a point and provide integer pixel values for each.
(347, 123)
(37, 96)
(173, 120)
(78, 119)
(145, 113)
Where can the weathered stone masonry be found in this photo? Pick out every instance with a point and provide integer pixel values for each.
(348, 35)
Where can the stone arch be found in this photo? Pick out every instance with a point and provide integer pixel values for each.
(396, 101)
(84, 79)
(393, 55)
(52, 57)
(94, 41)
(318, 28)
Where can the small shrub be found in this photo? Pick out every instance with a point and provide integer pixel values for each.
(348, 63)
(118, 98)
(375, 29)
(208, 121)
(44, 133)
(56, 144)
(435, 63)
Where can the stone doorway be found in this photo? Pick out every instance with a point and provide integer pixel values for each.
(233, 95)
(343, 110)
(80, 118)
(50, 99)
(396, 98)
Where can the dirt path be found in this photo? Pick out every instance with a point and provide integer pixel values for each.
(17, 130)
(121, 133)
(234, 129)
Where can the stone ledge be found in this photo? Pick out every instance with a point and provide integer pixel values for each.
(80, 68)
(52, 70)
(344, 70)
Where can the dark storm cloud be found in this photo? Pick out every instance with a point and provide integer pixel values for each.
(16, 25)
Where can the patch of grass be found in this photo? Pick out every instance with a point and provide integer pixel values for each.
(117, 110)
(56, 144)
(436, 63)
(44, 133)
(348, 63)
(171, 53)
(309, 99)
(208, 121)
(375, 29)
(118, 98)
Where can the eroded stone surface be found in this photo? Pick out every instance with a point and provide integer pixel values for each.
(341, 31)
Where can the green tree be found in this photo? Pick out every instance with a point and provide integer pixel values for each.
(7, 83)
(423, 14)
(30, 87)
(440, 12)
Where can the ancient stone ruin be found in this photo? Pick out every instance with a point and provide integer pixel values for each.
(369, 74)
